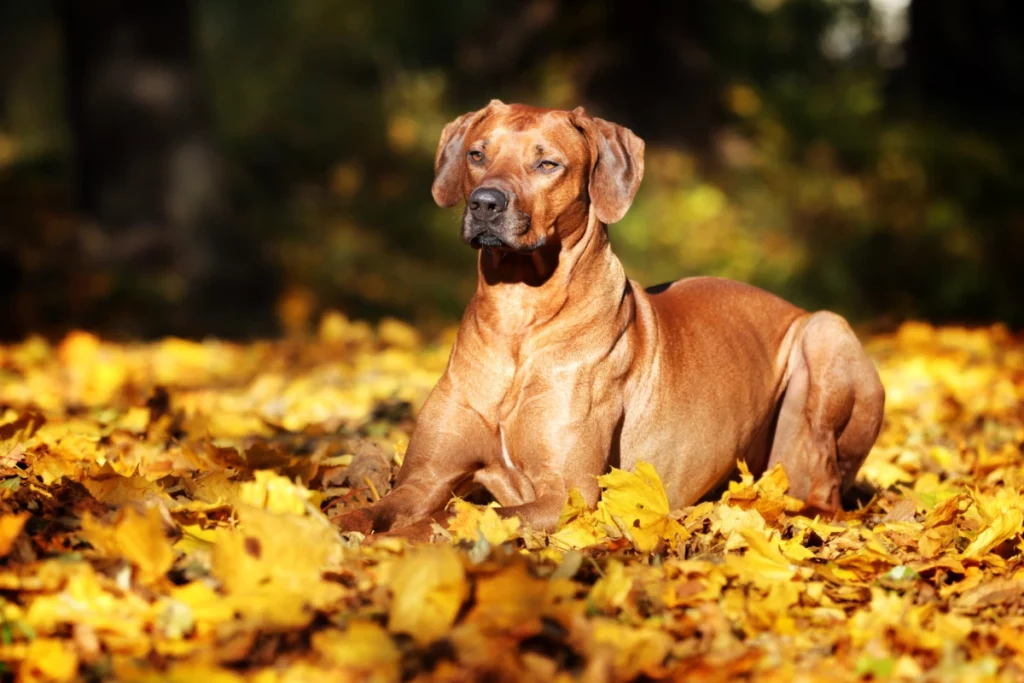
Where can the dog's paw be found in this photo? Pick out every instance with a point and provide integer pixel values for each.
(423, 531)
(360, 520)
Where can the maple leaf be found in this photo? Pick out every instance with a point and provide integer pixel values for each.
(510, 601)
(611, 590)
(578, 527)
(363, 649)
(49, 659)
(428, 587)
(472, 522)
(10, 529)
(1003, 517)
(630, 651)
(637, 504)
(275, 493)
(282, 551)
(764, 562)
(138, 538)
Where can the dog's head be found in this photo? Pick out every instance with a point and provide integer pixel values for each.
(530, 176)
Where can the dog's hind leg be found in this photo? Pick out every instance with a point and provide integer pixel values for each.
(831, 412)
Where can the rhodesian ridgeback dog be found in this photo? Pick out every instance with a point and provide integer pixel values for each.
(564, 367)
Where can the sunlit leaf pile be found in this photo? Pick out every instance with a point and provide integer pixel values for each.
(166, 516)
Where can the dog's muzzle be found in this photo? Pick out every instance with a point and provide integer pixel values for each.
(491, 222)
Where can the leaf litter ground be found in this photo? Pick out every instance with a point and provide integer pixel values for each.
(164, 516)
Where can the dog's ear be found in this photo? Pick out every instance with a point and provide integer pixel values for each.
(616, 165)
(449, 158)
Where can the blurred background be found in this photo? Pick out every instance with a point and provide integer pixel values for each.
(230, 167)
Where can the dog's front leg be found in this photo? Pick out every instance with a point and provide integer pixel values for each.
(446, 448)
(562, 443)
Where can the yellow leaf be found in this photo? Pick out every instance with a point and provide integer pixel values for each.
(429, 587)
(774, 483)
(207, 607)
(136, 420)
(578, 526)
(49, 659)
(138, 538)
(119, 491)
(935, 540)
(1003, 517)
(195, 538)
(10, 529)
(630, 651)
(774, 609)
(692, 582)
(86, 600)
(472, 521)
(134, 671)
(611, 590)
(637, 504)
(637, 495)
(763, 562)
(510, 602)
(289, 551)
(730, 522)
(363, 647)
(272, 567)
(274, 493)
(214, 488)
(399, 334)
(795, 550)
(1001, 529)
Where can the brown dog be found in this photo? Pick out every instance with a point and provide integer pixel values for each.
(563, 366)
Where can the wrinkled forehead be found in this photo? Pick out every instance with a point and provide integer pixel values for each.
(530, 127)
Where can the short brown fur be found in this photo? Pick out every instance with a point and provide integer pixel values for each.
(563, 366)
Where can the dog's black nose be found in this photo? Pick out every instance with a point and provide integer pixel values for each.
(487, 202)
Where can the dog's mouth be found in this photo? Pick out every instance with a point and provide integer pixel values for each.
(488, 240)
(508, 235)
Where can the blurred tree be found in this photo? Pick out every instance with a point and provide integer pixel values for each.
(967, 58)
(146, 169)
(789, 146)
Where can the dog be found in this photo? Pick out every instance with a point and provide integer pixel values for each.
(563, 366)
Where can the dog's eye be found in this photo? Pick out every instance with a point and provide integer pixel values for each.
(476, 156)
(547, 165)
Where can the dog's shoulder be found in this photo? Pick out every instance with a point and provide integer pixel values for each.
(718, 295)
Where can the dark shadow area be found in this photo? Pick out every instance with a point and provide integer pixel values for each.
(177, 167)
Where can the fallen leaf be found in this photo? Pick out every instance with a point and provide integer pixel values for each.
(471, 522)
(10, 529)
(428, 587)
(138, 538)
(363, 649)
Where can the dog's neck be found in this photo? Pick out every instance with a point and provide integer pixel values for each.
(578, 277)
